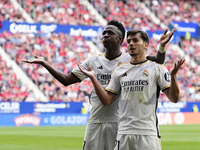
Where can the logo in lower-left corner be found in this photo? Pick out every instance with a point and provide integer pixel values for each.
(27, 119)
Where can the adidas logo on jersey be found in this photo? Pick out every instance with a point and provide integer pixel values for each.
(124, 75)
(101, 67)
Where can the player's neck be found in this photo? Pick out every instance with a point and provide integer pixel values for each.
(111, 54)
(137, 59)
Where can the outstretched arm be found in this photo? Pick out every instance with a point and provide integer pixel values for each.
(173, 92)
(160, 56)
(105, 97)
(65, 79)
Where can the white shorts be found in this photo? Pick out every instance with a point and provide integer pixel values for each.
(100, 136)
(137, 142)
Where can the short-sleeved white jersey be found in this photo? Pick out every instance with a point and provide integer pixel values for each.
(139, 85)
(103, 69)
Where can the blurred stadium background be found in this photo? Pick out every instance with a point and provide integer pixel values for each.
(67, 31)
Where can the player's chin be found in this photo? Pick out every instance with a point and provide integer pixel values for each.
(133, 54)
(107, 44)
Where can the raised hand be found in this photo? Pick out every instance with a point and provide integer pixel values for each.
(165, 38)
(38, 60)
(177, 66)
(90, 73)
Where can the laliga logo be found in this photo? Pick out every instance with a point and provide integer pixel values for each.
(27, 119)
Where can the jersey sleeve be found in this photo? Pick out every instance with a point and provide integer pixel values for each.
(114, 85)
(77, 72)
(164, 78)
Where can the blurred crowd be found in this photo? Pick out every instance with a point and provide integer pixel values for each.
(9, 13)
(188, 77)
(60, 50)
(191, 47)
(130, 12)
(64, 51)
(11, 88)
(60, 11)
(175, 10)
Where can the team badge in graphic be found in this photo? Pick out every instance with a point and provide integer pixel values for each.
(145, 73)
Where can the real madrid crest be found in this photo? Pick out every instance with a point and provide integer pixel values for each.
(145, 73)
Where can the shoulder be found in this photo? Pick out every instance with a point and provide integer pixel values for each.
(100, 55)
(155, 64)
(160, 69)
(126, 55)
(96, 56)
(121, 67)
(160, 66)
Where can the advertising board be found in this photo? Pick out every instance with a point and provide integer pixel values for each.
(41, 108)
(87, 32)
(43, 119)
(178, 118)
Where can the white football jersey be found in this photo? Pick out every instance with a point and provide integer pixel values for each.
(139, 85)
(103, 69)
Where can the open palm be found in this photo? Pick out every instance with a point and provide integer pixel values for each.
(89, 73)
(37, 60)
(165, 38)
(177, 66)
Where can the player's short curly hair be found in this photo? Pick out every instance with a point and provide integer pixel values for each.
(119, 25)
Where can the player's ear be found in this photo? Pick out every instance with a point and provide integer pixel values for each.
(120, 40)
(146, 45)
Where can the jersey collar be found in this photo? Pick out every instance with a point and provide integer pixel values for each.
(113, 58)
(141, 63)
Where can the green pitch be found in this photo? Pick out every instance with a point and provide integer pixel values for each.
(180, 137)
(174, 137)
